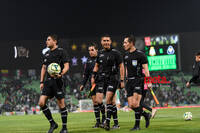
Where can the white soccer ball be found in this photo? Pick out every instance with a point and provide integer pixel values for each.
(53, 69)
(187, 116)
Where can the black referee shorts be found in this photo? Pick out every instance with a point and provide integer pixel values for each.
(54, 88)
(134, 86)
(104, 84)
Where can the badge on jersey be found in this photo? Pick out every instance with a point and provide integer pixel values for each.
(134, 62)
(193, 66)
(101, 55)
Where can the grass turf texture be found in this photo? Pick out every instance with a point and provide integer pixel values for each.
(166, 121)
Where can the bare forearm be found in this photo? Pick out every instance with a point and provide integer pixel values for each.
(96, 68)
(65, 69)
(146, 70)
(126, 72)
(121, 71)
(147, 74)
(94, 74)
(42, 75)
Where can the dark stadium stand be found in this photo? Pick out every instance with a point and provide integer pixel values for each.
(15, 94)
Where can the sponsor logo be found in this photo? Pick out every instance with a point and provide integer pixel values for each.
(137, 88)
(110, 86)
(126, 57)
(101, 55)
(158, 79)
(100, 88)
(59, 92)
(170, 50)
(134, 62)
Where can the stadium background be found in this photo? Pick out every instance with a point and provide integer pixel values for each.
(20, 72)
(26, 24)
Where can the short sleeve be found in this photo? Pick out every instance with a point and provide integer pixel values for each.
(124, 58)
(43, 60)
(97, 60)
(65, 57)
(144, 59)
(119, 58)
(43, 57)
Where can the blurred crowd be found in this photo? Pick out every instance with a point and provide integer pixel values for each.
(174, 93)
(15, 96)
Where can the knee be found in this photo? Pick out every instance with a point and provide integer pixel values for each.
(98, 100)
(113, 102)
(134, 105)
(61, 104)
(108, 101)
(41, 104)
(95, 102)
(131, 105)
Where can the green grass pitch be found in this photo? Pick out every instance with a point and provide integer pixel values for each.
(166, 121)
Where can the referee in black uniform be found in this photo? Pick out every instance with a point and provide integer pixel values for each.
(135, 61)
(107, 68)
(196, 71)
(53, 85)
(88, 69)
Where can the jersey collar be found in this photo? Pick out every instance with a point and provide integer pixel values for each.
(133, 51)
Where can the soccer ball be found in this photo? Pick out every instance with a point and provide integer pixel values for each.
(187, 116)
(53, 69)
